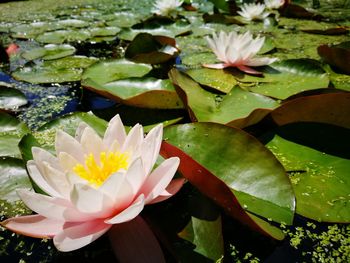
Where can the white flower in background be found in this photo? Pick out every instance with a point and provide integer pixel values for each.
(253, 12)
(93, 183)
(165, 7)
(237, 50)
(274, 4)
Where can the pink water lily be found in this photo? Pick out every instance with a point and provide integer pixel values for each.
(237, 50)
(93, 183)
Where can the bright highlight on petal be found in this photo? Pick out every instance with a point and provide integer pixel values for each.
(97, 172)
(274, 4)
(94, 183)
(237, 50)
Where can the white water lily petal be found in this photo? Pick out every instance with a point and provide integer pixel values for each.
(90, 200)
(79, 235)
(171, 189)
(67, 162)
(129, 213)
(253, 12)
(34, 226)
(51, 207)
(135, 175)
(92, 143)
(238, 50)
(40, 155)
(113, 184)
(57, 179)
(115, 131)
(165, 7)
(79, 132)
(39, 180)
(66, 143)
(274, 4)
(133, 140)
(160, 178)
(151, 146)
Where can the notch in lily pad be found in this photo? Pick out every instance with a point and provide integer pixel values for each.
(146, 48)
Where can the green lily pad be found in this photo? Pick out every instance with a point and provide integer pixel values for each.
(70, 62)
(11, 132)
(77, 23)
(217, 79)
(254, 176)
(110, 70)
(61, 36)
(11, 99)
(288, 78)
(197, 232)
(104, 31)
(206, 106)
(169, 30)
(31, 30)
(124, 19)
(320, 181)
(146, 48)
(145, 92)
(47, 75)
(49, 52)
(13, 176)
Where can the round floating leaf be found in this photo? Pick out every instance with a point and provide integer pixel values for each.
(321, 181)
(61, 36)
(169, 30)
(11, 132)
(11, 99)
(70, 62)
(206, 106)
(254, 176)
(31, 30)
(49, 52)
(110, 70)
(73, 23)
(124, 19)
(219, 80)
(143, 92)
(47, 75)
(331, 108)
(338, 55)
(146, 48)
(288, 78)
(13, 176)
(104, 31)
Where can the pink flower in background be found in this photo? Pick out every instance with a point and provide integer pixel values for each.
(93, 183)
(237, 50)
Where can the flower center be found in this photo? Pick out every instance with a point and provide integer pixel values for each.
(97, 172)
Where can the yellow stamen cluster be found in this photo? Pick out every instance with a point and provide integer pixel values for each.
(96, 173)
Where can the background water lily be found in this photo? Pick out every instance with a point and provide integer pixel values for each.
(94, 183)
(253, 12)
(274, 4)
(237, 50)
(165, 7)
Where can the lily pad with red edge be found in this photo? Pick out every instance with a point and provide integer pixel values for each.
(146, 48)
(286, 78)
(259, 184)
(206, 106)
(333, 108)
(144, 92)
(337, 56)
